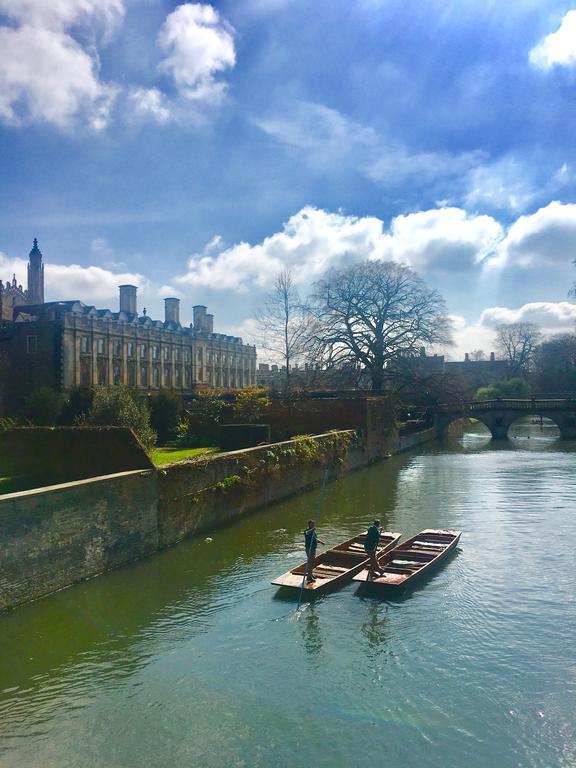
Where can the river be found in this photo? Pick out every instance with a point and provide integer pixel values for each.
(192, 658)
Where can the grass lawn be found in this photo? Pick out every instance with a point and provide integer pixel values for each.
(167, 455)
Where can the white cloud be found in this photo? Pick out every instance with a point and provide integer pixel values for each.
(558, 48)
(547, 315)
(198, 46)
(150, 103)
(314, 240)
(544, 238)
(327, 139)
(444, 239)
(58, 14)
(65, 86)
(71, 281)
(46, 75)
(468, 337)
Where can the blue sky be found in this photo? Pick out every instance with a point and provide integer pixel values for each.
(194, 149)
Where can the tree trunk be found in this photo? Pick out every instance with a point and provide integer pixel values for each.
(377, 376)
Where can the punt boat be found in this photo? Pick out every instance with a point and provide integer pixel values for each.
(336, 565)
(414, 558)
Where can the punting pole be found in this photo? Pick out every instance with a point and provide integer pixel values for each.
(317, 517)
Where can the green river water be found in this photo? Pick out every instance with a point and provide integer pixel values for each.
(192, 658)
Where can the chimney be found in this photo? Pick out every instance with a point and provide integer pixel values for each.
(172, 311)
(210, 323)
(128, 299)
(492, 357)
(199, 313)
(466, 357)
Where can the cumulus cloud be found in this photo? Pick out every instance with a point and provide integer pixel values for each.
(558, 48)
(314, 240)
(327, 139)
(198, 45)
(57, 14)
(71, 281)
(46, 75)
(444, 239)
(547, 315)
(150, 103)
(544, 238)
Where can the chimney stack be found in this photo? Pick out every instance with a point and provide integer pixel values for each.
(492, 357)
(210, 323)
(172, 310)
(128, 299)
(199, 313)
(466, 357)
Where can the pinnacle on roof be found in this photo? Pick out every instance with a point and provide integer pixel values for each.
(35, 250)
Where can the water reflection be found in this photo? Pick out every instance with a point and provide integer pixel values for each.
(374, 627)
(310, 622)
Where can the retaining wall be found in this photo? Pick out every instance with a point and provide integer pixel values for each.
(405, 442)
(55, 536)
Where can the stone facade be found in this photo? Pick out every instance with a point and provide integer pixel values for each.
(63, 344)
(13, 295)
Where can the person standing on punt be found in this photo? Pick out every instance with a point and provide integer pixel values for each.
(311, 541)
(371, 547)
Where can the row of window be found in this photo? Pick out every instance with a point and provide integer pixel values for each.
(117, 350)
(167, 377)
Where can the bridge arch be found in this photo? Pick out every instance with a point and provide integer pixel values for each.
(553, 418)
(444, 423)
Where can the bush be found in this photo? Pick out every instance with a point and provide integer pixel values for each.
(164, 415)
(202, 417)
(43, 407)
(121, 407)
(250, 405)
(507, 388)
(77, 406)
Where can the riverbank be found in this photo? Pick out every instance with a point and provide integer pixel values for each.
(55, 536)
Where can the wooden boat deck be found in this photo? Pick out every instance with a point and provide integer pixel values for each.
(411, 559)
(337, 565)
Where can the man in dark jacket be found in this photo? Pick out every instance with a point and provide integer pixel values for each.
(311, 541)
(371, 547)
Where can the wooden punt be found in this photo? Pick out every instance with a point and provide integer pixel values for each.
(414, 558)
(336, 565)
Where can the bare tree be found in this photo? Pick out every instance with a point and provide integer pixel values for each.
(478, 354)
(376, 313)
(284, 324)
(517, 344)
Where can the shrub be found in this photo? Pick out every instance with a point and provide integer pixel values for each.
(164, 415)
(202, 417)
(250, 405)
(121, 407)
(507, 388)
(43, 407)
(77, 406)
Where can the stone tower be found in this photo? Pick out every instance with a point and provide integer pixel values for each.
(35, 293)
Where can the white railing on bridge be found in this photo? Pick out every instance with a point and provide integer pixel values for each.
(566, 404)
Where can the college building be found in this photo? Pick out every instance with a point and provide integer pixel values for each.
(62, 344)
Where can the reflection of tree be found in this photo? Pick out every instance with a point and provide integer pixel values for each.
(311, 631)
(374, 628)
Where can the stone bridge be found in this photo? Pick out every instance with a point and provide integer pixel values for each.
(498, 415)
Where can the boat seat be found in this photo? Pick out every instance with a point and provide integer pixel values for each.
(332, 567)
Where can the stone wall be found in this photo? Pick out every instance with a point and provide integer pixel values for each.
(405, 442)
(55, 536)
(196, 496)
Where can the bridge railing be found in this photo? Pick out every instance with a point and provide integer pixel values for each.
(509, 404)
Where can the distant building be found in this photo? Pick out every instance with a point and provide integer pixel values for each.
(309, 377)
(63, 344)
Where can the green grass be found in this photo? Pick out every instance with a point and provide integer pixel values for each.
(162, 456)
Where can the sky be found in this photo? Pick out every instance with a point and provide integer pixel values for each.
(195, 149)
